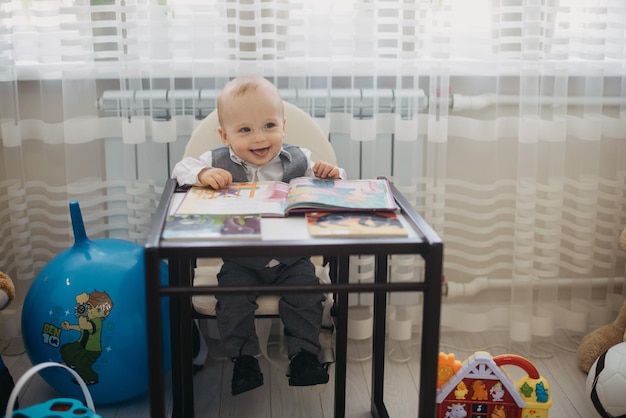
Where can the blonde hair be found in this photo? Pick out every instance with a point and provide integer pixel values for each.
(240, 86)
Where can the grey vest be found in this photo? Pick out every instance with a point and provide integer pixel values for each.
(291, 169)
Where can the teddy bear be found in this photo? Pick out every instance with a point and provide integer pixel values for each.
(7, 294)
(594, 344)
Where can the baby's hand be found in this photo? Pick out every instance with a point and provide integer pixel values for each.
(324, 170)
(216, 178)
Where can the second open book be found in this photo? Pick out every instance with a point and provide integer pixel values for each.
(278, 199)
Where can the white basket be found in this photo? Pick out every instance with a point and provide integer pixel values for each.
(34, 370)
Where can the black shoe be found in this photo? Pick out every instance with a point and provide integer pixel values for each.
(246, 375)
(306, 370)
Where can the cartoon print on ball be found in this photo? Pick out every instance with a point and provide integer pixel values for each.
(90, 311)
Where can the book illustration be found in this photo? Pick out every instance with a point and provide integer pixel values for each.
(356, 194)
(238, 198)
(279, 199)
(355, 224)
(191, 227)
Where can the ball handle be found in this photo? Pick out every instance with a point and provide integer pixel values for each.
(77, 223)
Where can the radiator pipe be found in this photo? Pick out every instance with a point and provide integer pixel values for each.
(112, 99)
(483, 101)
(473, 287)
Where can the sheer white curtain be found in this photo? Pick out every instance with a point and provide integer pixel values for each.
(502, 121)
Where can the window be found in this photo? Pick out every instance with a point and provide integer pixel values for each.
(178, 36)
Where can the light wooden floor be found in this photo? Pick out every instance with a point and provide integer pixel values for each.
(276, 399)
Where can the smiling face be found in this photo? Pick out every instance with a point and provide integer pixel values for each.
(252, 120)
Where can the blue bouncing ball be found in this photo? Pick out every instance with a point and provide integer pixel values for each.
(87, 309)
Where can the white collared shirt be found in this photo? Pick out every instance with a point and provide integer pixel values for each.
(186, 171)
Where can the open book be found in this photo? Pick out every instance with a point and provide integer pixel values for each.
(278, 199)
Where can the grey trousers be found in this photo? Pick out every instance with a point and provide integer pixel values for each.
(301, 314)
